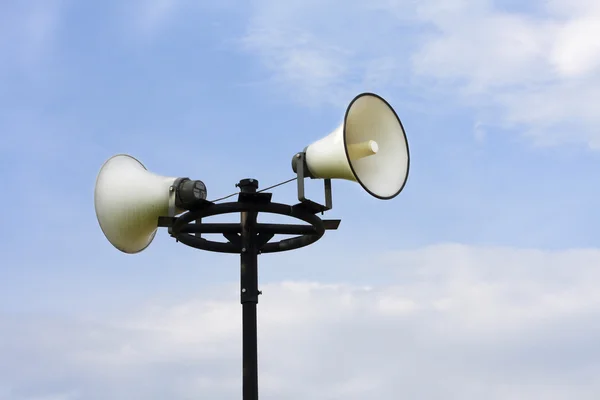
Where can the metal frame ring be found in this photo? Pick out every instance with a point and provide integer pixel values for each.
(238, 207)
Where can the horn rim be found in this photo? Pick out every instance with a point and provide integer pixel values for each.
(96, 205)
(403, 134)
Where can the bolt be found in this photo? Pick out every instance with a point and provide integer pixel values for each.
(243, 249)
(171, 189)
(244, 290)
(298, 155)
(251, 180)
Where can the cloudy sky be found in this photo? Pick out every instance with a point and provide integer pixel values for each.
(478, 281)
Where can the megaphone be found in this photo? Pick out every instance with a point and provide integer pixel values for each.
(129, 200)
(368, 147)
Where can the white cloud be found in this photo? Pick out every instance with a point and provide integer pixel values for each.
(576, 51)
(538, 72)
(323, 52)
(458, 322)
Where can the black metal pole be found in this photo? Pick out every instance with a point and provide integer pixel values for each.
(249, 239)
(249, 297)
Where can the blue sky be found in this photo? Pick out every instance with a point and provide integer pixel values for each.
(498, 101)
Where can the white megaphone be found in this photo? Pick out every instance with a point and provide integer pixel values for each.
(129, 200)
(369, 147)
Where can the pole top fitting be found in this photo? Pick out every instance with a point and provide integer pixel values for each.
(248, 185)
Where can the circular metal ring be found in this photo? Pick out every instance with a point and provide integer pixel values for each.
(239, 207)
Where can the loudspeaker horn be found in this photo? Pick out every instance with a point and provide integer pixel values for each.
(369, 147)
(129, 200)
